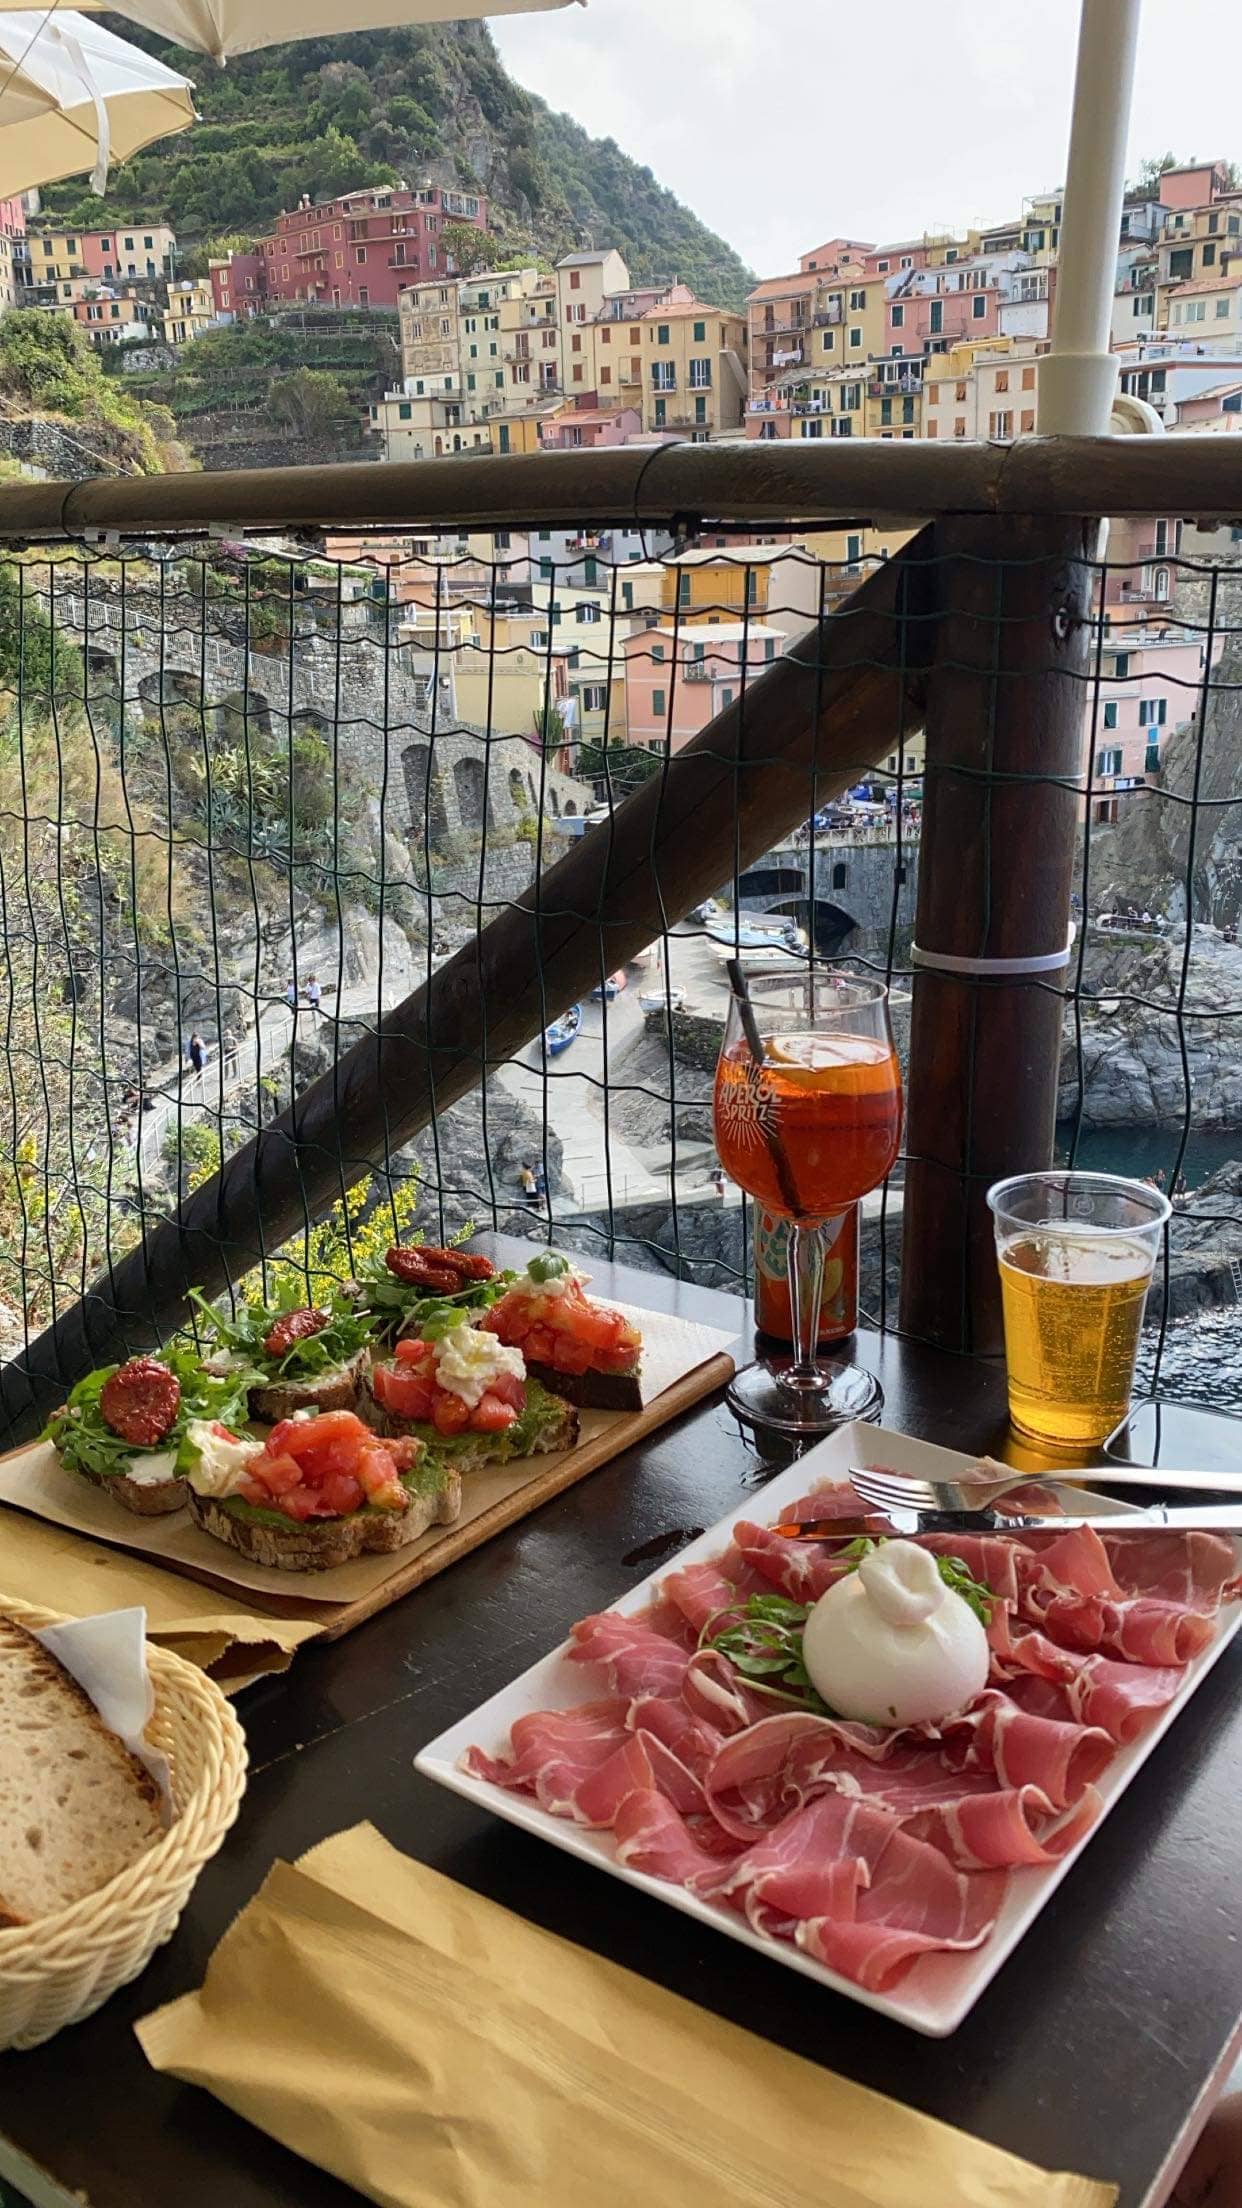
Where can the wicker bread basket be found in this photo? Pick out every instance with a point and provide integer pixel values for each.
(57, 1970)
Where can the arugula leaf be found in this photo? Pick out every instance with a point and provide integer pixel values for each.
(762, 1639)
(245, 1331)
(400, 1307)
(86, 1442)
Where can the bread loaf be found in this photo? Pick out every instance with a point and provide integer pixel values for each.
(75, 1806)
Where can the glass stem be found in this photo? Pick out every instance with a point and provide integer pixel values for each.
(806, 1284)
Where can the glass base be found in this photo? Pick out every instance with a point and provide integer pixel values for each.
(765, 1395)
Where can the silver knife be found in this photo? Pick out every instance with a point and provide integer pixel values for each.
(1165, 1517)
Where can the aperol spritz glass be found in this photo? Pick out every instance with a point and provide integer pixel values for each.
(807, 1112)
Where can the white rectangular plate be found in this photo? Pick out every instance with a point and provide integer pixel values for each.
(940, 1989)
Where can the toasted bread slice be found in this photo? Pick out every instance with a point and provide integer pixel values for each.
(317, 1544)
(330, 1391)
(146, 1498)
(591, 1390)
(75, 1806)
(546, 1424)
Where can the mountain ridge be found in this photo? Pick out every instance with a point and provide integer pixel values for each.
(434, 102)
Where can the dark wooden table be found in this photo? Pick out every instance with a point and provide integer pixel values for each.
(1099, 2047)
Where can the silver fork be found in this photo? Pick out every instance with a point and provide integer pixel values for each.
(894, 1490)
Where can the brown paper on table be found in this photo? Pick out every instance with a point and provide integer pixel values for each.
(36, 1481)
(46, 1564)
(436, 2051)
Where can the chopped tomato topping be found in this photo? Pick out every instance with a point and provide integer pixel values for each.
(449, 1414)
(326, 1467)
(491, 1415)
(406, 1394)
(566, 1331)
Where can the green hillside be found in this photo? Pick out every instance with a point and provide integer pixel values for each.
(428, 104)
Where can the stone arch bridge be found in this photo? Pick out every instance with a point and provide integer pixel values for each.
(840, 889)
(389, 710)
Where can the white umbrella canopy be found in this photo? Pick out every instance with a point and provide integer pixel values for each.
(224, 27)
(74, 97)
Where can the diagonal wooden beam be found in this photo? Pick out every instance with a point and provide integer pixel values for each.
(847, 692)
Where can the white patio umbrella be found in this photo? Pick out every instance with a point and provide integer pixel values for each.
(224, 27)
(74, 97)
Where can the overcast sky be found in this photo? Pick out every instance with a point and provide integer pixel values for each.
(783, 124)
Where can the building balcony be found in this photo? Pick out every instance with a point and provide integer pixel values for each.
(779, 324)
(894, 387)
(825, 318)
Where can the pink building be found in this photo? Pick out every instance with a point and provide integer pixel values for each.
(1197, 185)
(1219, 409)
(1150, 679)
(895, 260)
(362, 249)
(837, 253)
(677, 680)
(929, 308)
(12, 218)
(587, 426)
(239, 285)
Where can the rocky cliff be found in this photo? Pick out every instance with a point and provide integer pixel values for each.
(1133, 1070)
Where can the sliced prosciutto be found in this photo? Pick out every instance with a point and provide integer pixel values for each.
(634, 1655)
(869, 1847)
(554, 1752)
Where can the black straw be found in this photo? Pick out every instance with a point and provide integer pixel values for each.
(754, 1043)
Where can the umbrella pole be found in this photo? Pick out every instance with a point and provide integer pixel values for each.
(1078, 378)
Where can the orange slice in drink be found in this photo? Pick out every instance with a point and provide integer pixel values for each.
(825, 1061)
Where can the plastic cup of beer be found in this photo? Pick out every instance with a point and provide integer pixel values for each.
(1076, 1253)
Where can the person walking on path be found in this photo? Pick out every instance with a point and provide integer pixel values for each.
(526, 1181)
(313, 994)
(197, 1052)
(541, 1182)
(291, 995)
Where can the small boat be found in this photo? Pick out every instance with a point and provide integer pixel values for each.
(655, 1000)
(560, 1034)
(756, 932)
(611, 988)
(771, 956)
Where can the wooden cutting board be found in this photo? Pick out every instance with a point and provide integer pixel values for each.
(684, 1360)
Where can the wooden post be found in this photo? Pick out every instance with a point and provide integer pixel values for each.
(1006, 697)
(793, 740)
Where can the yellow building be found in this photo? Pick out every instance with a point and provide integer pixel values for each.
(1207, 312)
(530, 340)
(865, 330)
(513, 433)
(104, 256)
(694, 369)
(428, 321)
(894, 400)
(1041, 227)
(111, 320)
(828, 402)
(191, 309)
(584, 281)
(984, 387)
(1196, 243)
(426, 423)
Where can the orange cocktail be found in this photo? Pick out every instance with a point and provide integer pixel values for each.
(830, 1104)
(807, 1113)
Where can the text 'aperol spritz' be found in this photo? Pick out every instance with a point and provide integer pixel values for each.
(829, 1104)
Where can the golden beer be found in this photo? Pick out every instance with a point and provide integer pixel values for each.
(1073, 1308)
